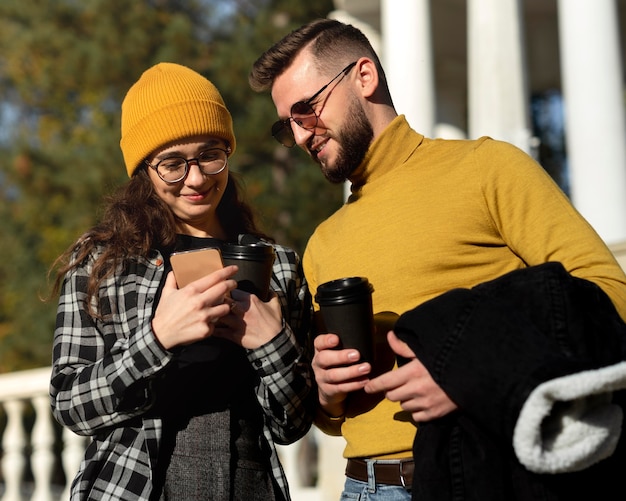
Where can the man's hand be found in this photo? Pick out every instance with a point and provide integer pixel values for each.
(337, 373)
(412, 386)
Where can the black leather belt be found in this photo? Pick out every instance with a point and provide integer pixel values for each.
(389, 472)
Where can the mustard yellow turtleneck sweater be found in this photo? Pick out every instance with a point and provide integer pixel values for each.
(426, 216)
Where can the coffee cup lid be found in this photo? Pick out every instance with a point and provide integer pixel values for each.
(342, 290)
(249, 251)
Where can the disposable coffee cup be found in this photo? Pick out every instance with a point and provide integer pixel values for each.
(255, 262)
(346, 309)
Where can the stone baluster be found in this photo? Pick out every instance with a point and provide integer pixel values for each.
(42, 457)
(14, 445)
(73, 451)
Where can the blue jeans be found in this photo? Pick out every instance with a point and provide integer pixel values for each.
(354, 490)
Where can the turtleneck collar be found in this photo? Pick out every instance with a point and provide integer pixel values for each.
(396, 143)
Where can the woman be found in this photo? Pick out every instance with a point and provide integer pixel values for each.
(183, 391)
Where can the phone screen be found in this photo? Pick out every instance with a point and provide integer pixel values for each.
(194, 264)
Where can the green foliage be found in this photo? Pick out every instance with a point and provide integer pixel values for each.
(283, 184)
(65, 69)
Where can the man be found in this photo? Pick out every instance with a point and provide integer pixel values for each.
(425, 216)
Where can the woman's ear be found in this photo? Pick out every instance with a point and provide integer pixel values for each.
(367, 77)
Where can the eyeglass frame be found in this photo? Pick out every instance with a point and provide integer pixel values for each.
(188, 161)
(284, 125)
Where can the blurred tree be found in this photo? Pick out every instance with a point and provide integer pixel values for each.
(284, 185)
(65, 68)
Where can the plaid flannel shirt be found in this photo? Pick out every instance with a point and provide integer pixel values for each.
(103, 369)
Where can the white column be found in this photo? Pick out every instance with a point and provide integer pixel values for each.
(371, 33)
(407, 59)
(498, 97)
(595, 127)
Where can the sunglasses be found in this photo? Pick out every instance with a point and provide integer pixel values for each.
(303, 114)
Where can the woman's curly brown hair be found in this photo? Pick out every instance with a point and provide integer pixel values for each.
(136, 221)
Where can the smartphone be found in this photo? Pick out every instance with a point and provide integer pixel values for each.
(194, 264)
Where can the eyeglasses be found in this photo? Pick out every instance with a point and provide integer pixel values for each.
(303, 114)
(175, 169)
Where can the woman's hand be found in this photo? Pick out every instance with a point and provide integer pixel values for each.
(184, 316)
(251, 322)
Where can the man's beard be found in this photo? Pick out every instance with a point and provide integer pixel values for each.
(354, 140)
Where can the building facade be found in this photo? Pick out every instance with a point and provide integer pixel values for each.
(516, 70)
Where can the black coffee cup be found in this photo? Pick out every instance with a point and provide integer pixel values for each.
(255, 262)
(346, 308)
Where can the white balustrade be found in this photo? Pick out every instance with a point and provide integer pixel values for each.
(27, 453)
(30, 458)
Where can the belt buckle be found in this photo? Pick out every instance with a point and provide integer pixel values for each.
(401, 471)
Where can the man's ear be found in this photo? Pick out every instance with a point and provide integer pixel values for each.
(367, 76)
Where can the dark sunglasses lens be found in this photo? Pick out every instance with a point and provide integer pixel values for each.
(304, 115)
(302, 109)
(283, 134)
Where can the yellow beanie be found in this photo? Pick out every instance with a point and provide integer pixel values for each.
(170, 102)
